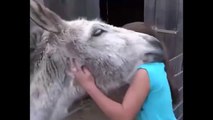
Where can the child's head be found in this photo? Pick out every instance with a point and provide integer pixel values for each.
(143, 28)
(139, 27)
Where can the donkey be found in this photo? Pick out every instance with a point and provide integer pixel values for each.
(110, 53)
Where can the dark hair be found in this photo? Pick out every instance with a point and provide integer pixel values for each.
(143, 28)
(139, 27)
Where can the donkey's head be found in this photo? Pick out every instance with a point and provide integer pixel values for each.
(90, 39)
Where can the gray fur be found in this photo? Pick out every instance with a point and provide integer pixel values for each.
(111, 57)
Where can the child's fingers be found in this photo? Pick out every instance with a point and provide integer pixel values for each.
(86, 71)
(73, 69)
(76, 65)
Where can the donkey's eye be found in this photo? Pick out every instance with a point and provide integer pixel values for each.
(97, 32)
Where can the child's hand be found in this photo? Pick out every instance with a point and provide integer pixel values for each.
(83, 75)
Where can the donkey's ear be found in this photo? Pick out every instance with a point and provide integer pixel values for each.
(45, 18)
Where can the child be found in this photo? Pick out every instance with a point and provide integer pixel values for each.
(147, 98)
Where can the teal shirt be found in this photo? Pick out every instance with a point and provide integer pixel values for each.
(158, 104)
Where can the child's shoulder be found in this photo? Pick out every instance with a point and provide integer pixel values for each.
(156, 73)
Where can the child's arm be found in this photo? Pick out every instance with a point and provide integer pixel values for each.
(133, 99)
(132, 102)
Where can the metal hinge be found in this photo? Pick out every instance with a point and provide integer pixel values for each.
(164, 30)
